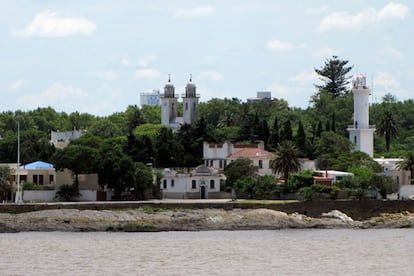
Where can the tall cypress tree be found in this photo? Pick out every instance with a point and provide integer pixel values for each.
(286, 133)
(301, 137)
(274, 137)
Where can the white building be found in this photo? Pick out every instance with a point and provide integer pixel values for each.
(150, 98)
(220, 155)
(361, 133)
(169, 103)
(389, 165)
(201, 183)
(61, 139)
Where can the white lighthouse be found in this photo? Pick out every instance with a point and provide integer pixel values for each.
(361, 133)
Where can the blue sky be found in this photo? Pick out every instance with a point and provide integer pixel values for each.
(97, 56)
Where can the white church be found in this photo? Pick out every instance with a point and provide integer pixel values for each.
(169, 103)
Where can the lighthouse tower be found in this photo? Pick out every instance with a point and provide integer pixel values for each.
(190, 103)
(361, 133)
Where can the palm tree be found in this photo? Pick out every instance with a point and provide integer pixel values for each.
(407, 163)
(286, 160)
(388, 128)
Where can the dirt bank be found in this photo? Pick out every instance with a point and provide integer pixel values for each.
(149, 219)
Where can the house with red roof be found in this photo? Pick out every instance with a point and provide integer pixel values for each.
(220, 155)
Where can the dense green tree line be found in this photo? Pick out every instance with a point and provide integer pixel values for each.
(136, 136)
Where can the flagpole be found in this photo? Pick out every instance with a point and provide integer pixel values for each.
(18, 198)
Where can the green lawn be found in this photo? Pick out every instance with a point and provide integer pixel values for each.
(265, 201)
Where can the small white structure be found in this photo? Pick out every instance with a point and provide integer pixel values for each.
(150, 98)
(332, 175)
(389, 165)
(220, 155)
(61, 139)
(169, 103)
(203, 182)
(361, 133)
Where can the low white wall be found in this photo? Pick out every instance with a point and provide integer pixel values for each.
(41, 196)
(87, 195)
(49, 195)
(406, 191)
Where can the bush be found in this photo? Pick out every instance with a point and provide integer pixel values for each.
(29, 186)
(67, 192)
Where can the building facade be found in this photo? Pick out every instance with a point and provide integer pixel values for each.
(220, 155)
(201, 183)
(150, 98)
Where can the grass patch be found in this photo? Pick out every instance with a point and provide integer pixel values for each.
(152, 210)
(265, 201)
(131, 227)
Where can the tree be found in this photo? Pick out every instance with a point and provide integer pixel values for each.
(115, 169)
(286, 134)
(77, 158)
(407, 163)
(388, 128)
(301, 137)
(286, 160)
(142, 180)
(274, 137)
(240, 168)
(333, 74)
(5, 182)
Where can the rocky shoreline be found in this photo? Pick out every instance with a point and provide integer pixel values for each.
(150, 219)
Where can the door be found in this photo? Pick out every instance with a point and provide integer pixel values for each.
(203, 192)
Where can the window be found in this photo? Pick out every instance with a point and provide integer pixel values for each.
(186, 106)
(35, 179)
(51, 179)
(212, 184)
(172, 182)
(211, 163)
(260, 164)
(355, 140)
(164, 184)
(193, 184)
(41, 179)
(221, 164)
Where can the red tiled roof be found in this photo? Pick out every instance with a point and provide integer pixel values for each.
(251, 153)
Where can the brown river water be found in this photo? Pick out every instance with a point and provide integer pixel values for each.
(279, 252)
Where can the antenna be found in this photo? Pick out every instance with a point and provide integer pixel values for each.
(372, 87)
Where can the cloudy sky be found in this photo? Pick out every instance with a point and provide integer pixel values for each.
(97, 56)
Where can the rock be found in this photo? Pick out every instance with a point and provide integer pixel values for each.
(337, 215)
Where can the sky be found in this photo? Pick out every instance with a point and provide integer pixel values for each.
(97, 56)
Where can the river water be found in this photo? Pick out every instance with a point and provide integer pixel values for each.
(279, 252)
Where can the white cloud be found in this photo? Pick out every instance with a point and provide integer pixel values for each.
(277, 45)
(325, 52)
(305, 77)
(49, 24)
(391, 52)
(106, 75)
(16, 85)
(393, 10)
(55, 95)
(201, 11)
(210, 75)
(361, 20)
(387, 80)
(146, 60)
(147, 74)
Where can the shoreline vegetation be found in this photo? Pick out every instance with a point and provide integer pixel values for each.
(154, 219)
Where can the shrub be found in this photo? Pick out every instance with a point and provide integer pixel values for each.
(67, 192)
(29, 186)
